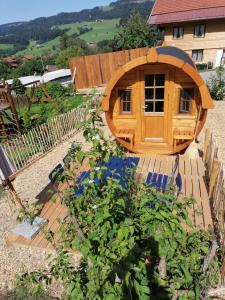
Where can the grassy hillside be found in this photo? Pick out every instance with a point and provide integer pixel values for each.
(104, 30)
(6, 46)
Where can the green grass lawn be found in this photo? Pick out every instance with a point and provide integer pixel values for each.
(105, 30)
(6, 46)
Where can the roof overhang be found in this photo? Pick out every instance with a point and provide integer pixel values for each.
(187, 16)
(162, 55)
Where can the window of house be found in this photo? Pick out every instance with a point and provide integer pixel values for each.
(199, 31)
(185, 103)
(178, 32)
(125, 101)
(154, 93)
(197, 55)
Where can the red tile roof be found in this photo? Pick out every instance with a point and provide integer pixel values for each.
(167, 11)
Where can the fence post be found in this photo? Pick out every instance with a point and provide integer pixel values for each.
(213, 176)
(206, 144)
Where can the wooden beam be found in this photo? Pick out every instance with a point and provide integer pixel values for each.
(213, 176)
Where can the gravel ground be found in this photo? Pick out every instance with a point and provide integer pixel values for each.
(216, 123)
(28, 184)
(33, 180)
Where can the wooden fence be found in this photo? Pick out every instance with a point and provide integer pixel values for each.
(94, 70)
(26, 148)
(215, 174)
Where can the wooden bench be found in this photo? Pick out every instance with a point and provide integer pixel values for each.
(183, 133)
(126, 134)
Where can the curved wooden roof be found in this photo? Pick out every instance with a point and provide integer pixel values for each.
(168, 55)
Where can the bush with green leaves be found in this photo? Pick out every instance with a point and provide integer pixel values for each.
(18, 87)
(133, 239)
(136, 34)
(216, 84)
(55, 90)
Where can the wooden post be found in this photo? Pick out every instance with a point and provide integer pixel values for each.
(13, 108)
(213, 176)
(11, 187)
(206, 144)
(45, 92)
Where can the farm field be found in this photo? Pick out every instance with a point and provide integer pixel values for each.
(104, 30)
(6, 46)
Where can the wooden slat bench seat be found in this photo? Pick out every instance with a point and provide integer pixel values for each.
(183, 133)
(126, 134)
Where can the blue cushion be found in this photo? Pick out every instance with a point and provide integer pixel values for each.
(116, 168)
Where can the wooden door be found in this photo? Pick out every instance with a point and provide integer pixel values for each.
(154, 106)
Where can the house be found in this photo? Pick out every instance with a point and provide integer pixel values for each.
(195, 26)
(62, 76)
(12, 61)
(51, 68)
(157, 103)
(25, 58)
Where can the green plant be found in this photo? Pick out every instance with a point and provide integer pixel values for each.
(132, 238)
(136, 34)
(54, 89)
(216, 84)
(28, 212)
(18, 87)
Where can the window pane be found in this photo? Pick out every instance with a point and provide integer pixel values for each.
(200, 55)
(202, 30)
(149, 106)
(181, 32)
(197, 55)
(159, 93)
(186, 97)
(199, 30)
(178, 32)
(125, 101)
(159, 106)
(194, 55)
(149, 94)
(159, 80)
(149, 80)
(175, 32)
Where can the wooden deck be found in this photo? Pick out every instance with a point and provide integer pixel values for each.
(193, 185)
(192, 173)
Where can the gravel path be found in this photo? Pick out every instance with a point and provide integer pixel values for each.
(216, 123)
(33, 180)
(28, 184)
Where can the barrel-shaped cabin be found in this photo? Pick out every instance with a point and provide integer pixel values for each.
(157, 103)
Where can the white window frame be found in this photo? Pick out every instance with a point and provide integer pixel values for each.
(199, 31)
(199, 55)
(179, 30)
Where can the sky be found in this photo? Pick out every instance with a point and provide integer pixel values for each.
(25, 10)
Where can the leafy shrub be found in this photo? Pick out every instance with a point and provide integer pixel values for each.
(18, 87)
(216, 84)
(54, 89)
(201, 66)
(133, 241)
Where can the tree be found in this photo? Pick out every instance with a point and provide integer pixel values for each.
(136, 34)
(18, 87)
(29, 68)
(4, 70)
(62, 60)
(63, 41)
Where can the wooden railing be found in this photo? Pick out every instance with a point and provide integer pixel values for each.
(215, 175)
(27, 148)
